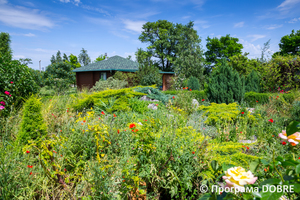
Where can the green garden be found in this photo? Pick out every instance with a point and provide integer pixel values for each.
(232, 124)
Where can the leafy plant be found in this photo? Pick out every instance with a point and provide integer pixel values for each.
(110, 83)
(193, 83)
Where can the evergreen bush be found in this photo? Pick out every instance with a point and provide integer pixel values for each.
(225, 85)
(253, 98)
(193, 83)
(33, 126)
(110, 83)
(154, 93)
(252, 82)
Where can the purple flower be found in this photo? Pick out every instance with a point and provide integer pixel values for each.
(2, 102)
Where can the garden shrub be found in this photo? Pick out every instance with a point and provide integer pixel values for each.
(32, 126)
(154, 93)
(295, 111)
(110, 83)
(183, 100)
(289, 97)
(253, 98)
(139, 106)
(221, 114)
(149, 75)
(225, 85)
(119, 99)
(252, 82)
(199, 95)
(193, 83)
(130, 77)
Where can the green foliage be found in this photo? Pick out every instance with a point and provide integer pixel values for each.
(295, 111)
(149, 75)
(139, 106)
(244, 66)
(100, 58)
(165, 39)
(5, 50)
(193, 83)
(183, 101)
(225, 85)
(282, 73)
(59, 75)
(84, 58)
(115, 99)
(252, 82)
(110, 83)
(199, 95)
(224, 47)
(73, 61)
(154, 93)
(288, 44)
(32, 126)
(190, 61)
(253, 98)
(130, 77)
(38, 77)
(18, 80)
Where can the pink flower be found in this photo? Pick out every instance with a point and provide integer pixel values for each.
(11, 82)
(2, 102)
(6, 92)
(294, 139)
(10, 95)
(2, 107)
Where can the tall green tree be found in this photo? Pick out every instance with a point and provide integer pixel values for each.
(224, 47)
(58, 57)
(65, 58)
(264, 49)
(84, 58)
(190, 61)
(243, 65)
(289, 43)
(5, 50)
(164, 38)
(53, 60)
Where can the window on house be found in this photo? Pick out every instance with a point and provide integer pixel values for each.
(103, 75)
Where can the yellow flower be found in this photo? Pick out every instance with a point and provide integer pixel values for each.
(73, 129)
(102, 155)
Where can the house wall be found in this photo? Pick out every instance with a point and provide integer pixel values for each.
(167, 81)
(89, 79)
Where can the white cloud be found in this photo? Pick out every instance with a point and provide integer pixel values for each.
(24, 18)
(3, 1)
(126, 54)
(100, 10)
(253, 50)
(294, 20)
(18, 56)
(274, 26)
(76, 2)
(238, 25)
(29, 35)
(186, 17)
(202, 23)
(288, 4)
(256, 37)
(135, 26)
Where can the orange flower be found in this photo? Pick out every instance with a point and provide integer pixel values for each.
(115, 115)
(132, 126)
(118, 131)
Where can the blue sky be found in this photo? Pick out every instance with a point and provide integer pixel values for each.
(39, 28)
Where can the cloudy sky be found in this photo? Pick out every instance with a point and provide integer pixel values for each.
(39, 29)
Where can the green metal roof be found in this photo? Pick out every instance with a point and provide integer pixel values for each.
(116, 63)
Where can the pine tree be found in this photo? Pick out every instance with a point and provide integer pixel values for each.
(65, 58)
(225, 85)
(52, 60)
(58, 57)
(252, 82)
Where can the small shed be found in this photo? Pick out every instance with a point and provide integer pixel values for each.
(88, 75)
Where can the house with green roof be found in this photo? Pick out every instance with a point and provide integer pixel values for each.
(88, 75)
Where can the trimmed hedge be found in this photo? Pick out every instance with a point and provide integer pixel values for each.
(253, 98)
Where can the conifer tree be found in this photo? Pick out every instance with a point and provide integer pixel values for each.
(252, 82)
(225, 85)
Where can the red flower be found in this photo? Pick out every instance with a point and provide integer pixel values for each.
(243, 113)
(277, 96)
(54, 151)
(271, 120)
(299, 158)
(11, 82)
(283, 143)
(30, 173)
(241, 132)
(184, 88)
(247, 147)
(265, 169)
(102, 113)
(27, 151)
(256, 101)
(190, 89)
(65, 169)
(193, 152)
(203, 100)
(118, 131)
(187, 87)
(156, 104)
(173, 97)
(115, 115)
(29, 166)
(67, 111)
(6, 92)
(84, 121)
(132, 126)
